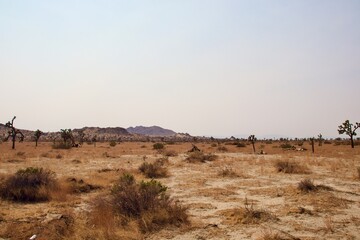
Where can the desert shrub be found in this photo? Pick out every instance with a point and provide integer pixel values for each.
(112, 143)
(213, 145)
(200, 157)
(290, 167)
(153, 170)
(58, 156)
(249, 215)
(147, 202)
(222, 149)
(20, 154)
(240, 145)
(227, 172)
(306, 185)
(62, 146)
(158, 146)
(29, 185)
(327, 142)
(287, 146)
(170, 153)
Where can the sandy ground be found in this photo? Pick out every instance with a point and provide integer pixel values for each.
(212, 199)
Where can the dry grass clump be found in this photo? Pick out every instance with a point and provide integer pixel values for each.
(291, 167)
(29, 185)
(249, 215)
(195, 157)
(80, 186)
(222, 149)
(228, 172)
(307, 185)
(170, 153)
(147, 202)
(271, 235)
(154, 170)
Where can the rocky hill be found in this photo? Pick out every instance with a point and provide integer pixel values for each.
(154, 131)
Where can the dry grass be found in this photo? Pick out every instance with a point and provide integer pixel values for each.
(200, 157)
(227, 172)
(291, 167)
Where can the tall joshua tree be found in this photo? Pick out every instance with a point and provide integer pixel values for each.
(37, 135)
(349, 129)
(252, 139)
(13, 132)
(320, 138)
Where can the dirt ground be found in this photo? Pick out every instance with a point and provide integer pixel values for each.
(215, 192)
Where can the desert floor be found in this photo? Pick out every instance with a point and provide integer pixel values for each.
(215, 192)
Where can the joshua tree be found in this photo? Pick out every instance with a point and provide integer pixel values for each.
(81, 135)
(320, 138)
(252, 139)
(94, 140)
(37, 135)
(66, 134)
(13, 132)
(349, 129)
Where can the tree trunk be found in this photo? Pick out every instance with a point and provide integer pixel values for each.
(253, 146)
(352, 141)
(36, 143)
(13, 141)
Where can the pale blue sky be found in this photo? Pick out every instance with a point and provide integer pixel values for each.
(205, 67)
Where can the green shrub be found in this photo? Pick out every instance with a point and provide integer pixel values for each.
(29, 185)
(158, 146)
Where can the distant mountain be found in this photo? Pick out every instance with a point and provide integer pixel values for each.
(108, 130)
(151, 131)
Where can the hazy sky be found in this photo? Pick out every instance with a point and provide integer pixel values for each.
(215, 68)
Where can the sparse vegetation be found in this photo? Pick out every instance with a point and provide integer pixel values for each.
(290, 167)
(61, 145)
(195, 157)
(29, 185)
(228, 172)
(154, 170)
(307, 185)
(287, 146)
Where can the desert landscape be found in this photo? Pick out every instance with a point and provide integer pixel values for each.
(225, 191)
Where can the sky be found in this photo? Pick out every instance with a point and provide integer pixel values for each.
(205, 67)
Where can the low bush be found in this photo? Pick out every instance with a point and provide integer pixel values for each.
(287, 146)
(29, 185)
(240, 145)
(290, 167)
(200, 157)
(228, 172)
(112, 143)
(158, 146)
(170, 153)
(222, 149)
(307, 185)
(153, 170)
(147, 202)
